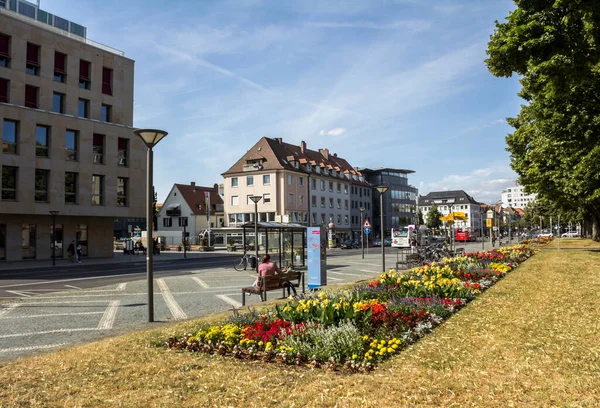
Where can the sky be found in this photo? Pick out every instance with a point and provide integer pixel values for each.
(382, 83)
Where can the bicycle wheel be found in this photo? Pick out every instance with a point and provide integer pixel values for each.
(240, 264)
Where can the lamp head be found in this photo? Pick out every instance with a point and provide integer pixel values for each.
(255, 199)
(150, 137)
(361, 209)
(382, 188)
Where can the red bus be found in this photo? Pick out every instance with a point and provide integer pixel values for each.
(465, 234)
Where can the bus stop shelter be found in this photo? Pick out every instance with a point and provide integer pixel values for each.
(285, 240)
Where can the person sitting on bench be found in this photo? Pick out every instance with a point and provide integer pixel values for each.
(268, 268)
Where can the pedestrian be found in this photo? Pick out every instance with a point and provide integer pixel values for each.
(493, 240)
(71, 251)
(268, 268)
(79, 252)
(413, 245)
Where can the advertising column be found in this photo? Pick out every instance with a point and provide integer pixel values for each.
(316, 242)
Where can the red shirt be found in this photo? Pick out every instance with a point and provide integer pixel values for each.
(268, 269)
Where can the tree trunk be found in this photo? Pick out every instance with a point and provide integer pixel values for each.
(593, 222)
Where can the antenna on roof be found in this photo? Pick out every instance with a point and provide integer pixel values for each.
(38, 4)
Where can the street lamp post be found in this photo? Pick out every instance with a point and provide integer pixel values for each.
(54, 212)
(255, 200)
(382, 189)
(362, 231)
(150, 137)
(481, 229)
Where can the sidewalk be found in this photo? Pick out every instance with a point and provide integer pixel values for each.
(118, 258)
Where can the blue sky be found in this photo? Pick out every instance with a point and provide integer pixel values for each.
(382, 83)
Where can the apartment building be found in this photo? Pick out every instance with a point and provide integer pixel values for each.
(455, 201)
(66, 109)
(296, 184)
(516, 197)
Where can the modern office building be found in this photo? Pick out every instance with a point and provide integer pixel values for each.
(68, 148)
(399, 202)
(516, 197)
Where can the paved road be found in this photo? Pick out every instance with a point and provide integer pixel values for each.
(79, 305)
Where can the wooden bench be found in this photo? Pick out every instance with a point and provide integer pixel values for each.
(274, 282)
(410, 261)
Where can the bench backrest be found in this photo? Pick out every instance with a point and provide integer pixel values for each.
(413, 258)
(276, 281)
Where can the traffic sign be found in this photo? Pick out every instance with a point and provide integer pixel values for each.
(367, 230)
(367, 224)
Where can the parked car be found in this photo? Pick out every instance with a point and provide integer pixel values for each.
(544, 234)
(349, 244)
(570, 234)
(377, 243)
(387, 242)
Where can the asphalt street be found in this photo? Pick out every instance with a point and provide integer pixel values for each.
(48, 309)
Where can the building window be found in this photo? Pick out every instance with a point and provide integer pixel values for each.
(266, 179)
(346, 219)
(234, 200)
(42, 139)
(290, 180)
(314, 218)
(84, 74)
(339, 203)
(4, 51)
(183, 221)
(41, 185)
(301, 181)
(31, 96)
(339, 188)
(234, 182)
(98, 148)
(10, 136)
(250, 180)
(122, 186)
(71, 188)
(123, 149)
(83, 108)
(107, 81)
(301, 199)
(330, 202)
(106, 113)
(339, 219)
(9, 183)
(28, 241)
(58, 102)
(331, 186)
(322, 202)
(313, 201)
(249, 200)
(313, 183)
(71, 144)
(290, 198)
(4, 87)
(167, 222)
(97, 189)
(323, 185)
(322, 218)
(60, 67)
(266, 198)
(345, 204)
(32, 65)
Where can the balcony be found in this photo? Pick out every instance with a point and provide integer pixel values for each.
(252, 167)
(174, 212)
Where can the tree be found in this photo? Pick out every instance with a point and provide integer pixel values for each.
(420, 220)
(554, 46)
(433, 218)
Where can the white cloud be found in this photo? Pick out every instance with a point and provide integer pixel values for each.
(336, 131)
(411, 25)
(480, 127)
(322, 132)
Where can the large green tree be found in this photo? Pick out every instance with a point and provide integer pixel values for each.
(554, 47)
(433, 218)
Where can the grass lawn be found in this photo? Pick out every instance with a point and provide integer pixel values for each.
(579, 243)
(531, 340)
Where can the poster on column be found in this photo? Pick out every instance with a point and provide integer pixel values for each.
(316, 257)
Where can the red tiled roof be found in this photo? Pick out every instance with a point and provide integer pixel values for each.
(194, 196)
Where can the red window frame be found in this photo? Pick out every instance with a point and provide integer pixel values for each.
(4, 45)
(60, 62)
(4, 90)
(31, 96)
(33, 54)
(107, 81)
(84, 70)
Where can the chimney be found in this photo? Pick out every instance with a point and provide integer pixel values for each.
(216, 188)
(193, 184)
(303, 146)
(279, 140)
(325, 153)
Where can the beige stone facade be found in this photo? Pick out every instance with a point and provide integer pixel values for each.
(119, 159)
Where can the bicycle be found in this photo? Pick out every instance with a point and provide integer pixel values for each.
(242, 263)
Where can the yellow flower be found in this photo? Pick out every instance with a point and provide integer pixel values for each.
(390, 350)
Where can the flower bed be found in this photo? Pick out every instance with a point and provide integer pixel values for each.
(356, 328)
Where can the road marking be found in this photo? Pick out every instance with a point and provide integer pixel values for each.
(229, 300)
(364, 270)
(201, 283)
(345, 274)
(8, 309)
(73, 287)
(174, 308)
(332, 278)
(21, 293)
(52, 315)
(10, 350)
(121, 287)
(60, 302)
(4, 336)
(108, 318)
